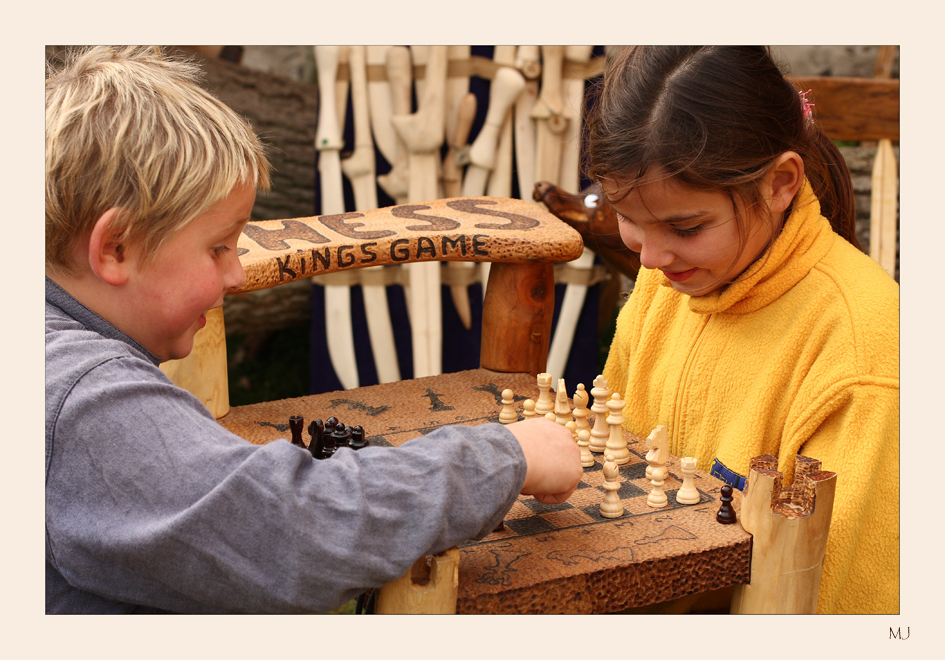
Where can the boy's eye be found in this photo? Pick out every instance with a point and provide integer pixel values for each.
(220, 250)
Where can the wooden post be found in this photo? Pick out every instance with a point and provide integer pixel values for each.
(789, 537)
(885, 185)
(424, 589)
(515, 336)
(203, 372)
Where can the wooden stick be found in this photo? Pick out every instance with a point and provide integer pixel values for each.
(338, 330)
(885, 185)
(452, 187)
(568, 176)
(883, 211)
(500, 179)
(359, 168)
(548, 112)
(789, 538)
(422, 132)
(400, 74)
(456, 89)
(529, 63)
(341, 89)
(506, 86)
(380, 101)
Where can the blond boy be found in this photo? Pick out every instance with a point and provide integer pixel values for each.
(150, 504)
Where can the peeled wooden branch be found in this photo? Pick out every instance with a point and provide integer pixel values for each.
(789, 537)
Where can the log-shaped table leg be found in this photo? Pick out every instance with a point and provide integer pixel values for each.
(516, 318)
(424, 589)
(789, 537)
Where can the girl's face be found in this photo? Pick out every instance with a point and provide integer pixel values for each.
(691, 235)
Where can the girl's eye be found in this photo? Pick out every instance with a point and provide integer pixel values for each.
(220, 250)
(689, 231)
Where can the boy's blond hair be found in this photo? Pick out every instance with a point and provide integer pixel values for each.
(130, 127)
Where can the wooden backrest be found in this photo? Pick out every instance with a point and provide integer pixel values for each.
(520, 239)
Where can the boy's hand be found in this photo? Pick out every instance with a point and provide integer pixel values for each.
(553, 458)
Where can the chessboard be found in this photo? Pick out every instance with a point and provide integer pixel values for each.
(562, 558)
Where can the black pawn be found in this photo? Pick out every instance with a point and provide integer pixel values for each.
(358, 441)
(726, 514)
(316, 430)
(329, 441)
(331, 423)
(296, 424)
(338, 436)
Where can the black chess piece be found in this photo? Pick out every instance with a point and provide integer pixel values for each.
(316, 430)
(331, 423)
(726, 514)
(358, 441)
(329, 445)
(338, 437)
(296, 424)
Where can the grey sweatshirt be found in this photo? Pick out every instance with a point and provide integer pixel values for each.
(151, 505)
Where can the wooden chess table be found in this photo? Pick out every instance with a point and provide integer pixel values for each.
(561, 558)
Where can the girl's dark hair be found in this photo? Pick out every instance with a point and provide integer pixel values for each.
(713, 117)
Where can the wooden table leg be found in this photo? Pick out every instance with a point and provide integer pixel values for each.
(427, 588)
(789, 537)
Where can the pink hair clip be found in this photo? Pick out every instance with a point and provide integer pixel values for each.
(805, 104)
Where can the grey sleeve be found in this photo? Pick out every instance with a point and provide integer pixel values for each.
(150, 501)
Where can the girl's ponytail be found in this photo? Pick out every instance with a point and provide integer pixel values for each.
(829, 176)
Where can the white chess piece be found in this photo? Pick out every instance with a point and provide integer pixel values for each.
(508, 415)
(545, 403)
(688, 493)
(562, 408)
(656, 458)
(599, 434)
(616, 441)
(528, 409)
(584, 442)
(580, 412)
(610, 506)
(657, 437)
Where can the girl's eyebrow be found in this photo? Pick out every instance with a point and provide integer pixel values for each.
(679, 217)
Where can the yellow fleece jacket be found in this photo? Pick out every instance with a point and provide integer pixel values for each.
(800, 355)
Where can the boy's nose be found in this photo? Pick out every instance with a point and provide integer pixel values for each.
(235, 276)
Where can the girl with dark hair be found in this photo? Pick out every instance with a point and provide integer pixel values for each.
(756, 325)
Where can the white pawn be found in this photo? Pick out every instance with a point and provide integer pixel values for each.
(584, 442)
(562, 409)
(528, 409)
(610, 506)
(581, 412)
(545, 403)
(616, 441)
(688, 494)
(551, 416)
(571, 426)
(508, 415)
(599, 434)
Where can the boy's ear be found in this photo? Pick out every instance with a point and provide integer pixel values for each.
(107, 252)
(784, 180)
